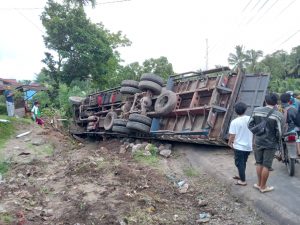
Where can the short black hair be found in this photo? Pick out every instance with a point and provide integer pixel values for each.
(240, 108)
(285, 98)
(271, 99)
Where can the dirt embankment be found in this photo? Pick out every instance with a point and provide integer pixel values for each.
(55, 180)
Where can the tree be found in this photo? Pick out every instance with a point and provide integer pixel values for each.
(239, 59)
(160, 66)
(79, 49)
(81, 2)
(252, 57)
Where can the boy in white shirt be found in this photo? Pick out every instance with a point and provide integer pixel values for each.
(240, 139)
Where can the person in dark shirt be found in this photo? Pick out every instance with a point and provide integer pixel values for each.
(290, 112)
(9, 101)
(265, 145)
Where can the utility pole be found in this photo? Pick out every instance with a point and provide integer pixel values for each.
(206, 57)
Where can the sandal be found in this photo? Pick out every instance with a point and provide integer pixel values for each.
(267, 189)
(256, 186)
(236, 177)
(242, 183)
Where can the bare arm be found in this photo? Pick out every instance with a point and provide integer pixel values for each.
(231, 140)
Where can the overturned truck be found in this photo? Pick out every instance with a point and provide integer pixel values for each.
(195, 107)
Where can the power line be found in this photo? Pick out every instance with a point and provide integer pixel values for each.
(290, 37)
(255, 5)
(286, 8)
(250, 20)
(36, 26)
(263, 5)
(20, 8)
(267, 10)
(112, 2)
(247, 6)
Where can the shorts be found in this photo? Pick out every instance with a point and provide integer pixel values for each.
(264, 156)
(39, 121)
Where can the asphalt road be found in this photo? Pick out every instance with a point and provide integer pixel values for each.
(281, 206)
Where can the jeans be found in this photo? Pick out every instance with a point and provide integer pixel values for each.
(240, 158)
(10, 108)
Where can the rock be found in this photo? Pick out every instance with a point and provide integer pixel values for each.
(202, 203)
(147, 153)
(183, 189)
(104, 149)
(165, 146)
(131, 145)
(175, 217)
(47, 212)
(2, 209)
(38, 142)
(149, 147)
(136, 148)
(166, 153)
(122, 149)
(27, 139)
(168, 146)
(204, 217)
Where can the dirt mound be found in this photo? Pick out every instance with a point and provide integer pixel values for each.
(92, 183)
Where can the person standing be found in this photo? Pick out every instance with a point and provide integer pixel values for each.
(36, 114)
(9, 101)
(240, 139)
(267, 142)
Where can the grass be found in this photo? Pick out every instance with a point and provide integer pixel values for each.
(7, 130)
(151, 160)
(190, 172)
(6, 218)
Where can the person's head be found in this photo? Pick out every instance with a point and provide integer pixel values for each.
(285, 98)
(8, 87)
(271, 99)
(240, 108)
(36, 103)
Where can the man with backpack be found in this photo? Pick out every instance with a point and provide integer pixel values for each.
(290, 112)
(266, 123)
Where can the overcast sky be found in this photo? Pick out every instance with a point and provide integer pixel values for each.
(177, 29)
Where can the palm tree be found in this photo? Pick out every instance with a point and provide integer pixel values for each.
(239, 59)
(252, 57)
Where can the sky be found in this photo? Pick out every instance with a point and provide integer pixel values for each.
(185, 31)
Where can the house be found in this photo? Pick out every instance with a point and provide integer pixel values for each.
(28, 92)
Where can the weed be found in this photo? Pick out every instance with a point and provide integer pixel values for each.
(151, 160)
(45, 190)
(190, 172)
(153, 150)
(6, 218)
(4, 166)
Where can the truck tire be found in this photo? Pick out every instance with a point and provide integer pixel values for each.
(109, 120)
(129, 90)
(145, 85)
(140, 118)
(165, 103)
(138, 126)
(130, 83)
(120, 129)
(152, 77)
(120, 122)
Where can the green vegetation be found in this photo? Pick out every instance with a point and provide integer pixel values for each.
(190, 172)
(151, 160)
(6, 131)
(6, 218)
(284, 67)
